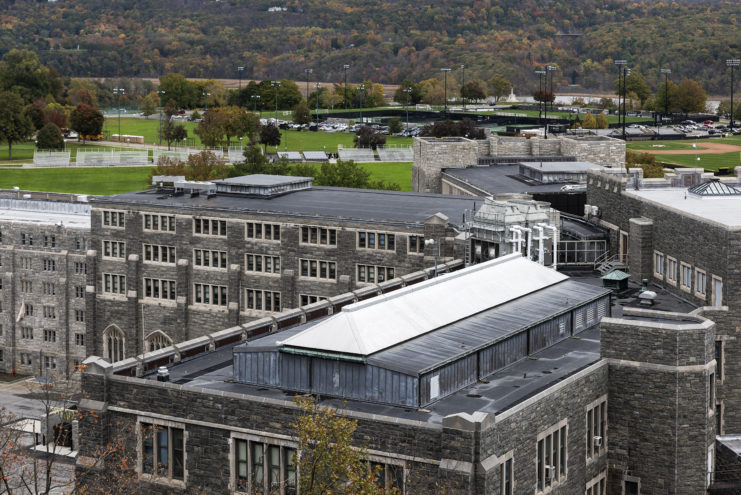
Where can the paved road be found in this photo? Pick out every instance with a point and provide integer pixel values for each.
(13, 396)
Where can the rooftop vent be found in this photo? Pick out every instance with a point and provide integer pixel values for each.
(262, 185)
(713, 188)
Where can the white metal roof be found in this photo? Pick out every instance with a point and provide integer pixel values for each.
(722, 210)
(370, 326)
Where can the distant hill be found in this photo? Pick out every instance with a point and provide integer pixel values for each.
(381, 40)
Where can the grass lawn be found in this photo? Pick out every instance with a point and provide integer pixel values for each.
(325, 141)
(104, 180)
(663, 145)
(149, 128)
(392, 172)
(708, 162)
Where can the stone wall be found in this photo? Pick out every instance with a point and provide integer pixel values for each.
(603, 150)
(431, 155)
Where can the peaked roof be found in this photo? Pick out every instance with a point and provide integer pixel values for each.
(370, 326)
(714, 187)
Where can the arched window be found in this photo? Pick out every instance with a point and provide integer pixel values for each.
(157, 340)
(114, 344)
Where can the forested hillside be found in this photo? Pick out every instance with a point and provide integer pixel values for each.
(384, 41)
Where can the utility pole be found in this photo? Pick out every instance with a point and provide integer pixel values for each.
(463, 86)
(118, 92)
(445, 84)
(345, 67)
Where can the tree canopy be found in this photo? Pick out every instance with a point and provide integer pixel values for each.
(15, 125)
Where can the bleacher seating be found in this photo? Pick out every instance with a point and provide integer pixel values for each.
(174, 154)
(357, 154)
(315, 156)
(405, 154)
(293, 156)
(51, 158)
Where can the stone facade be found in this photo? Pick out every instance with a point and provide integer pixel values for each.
(146, 322)
(42, 284)
(432, 155)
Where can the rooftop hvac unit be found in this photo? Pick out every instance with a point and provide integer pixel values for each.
(587, 209)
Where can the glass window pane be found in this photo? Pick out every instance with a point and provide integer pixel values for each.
(162, 450)
(177, 454)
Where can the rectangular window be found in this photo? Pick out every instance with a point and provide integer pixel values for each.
(112, 218)
(159, 289)
(48, 288)
(210, 259)
(50, 265)
(159, 223)
(26, 286)
(552, 458)
(671, 271)
(262, 263)
(598, 485)
(50, 241)
(717, 291)
(29, 309)
(416, 244)
(79, 291)
(215, 295)
(506, 474)
(79, 315)
(701, 281)
(114, 249)
(711, 392)
(376, 240)
(79, 339)
(27, 333)
(50, 336)
(320, 236)
(26, 359)
(719, 359)
(262, 300)
(372, 274)
(659, 260)
(162, 451)
(307, 299)
(596, 429)
(114, 284)
(324, 270)
(50, 312)
(26, 263)
(263, 468)
(685, 277)
(50, 362)
(209, 226)
(80, 268)
(159, 254)
(262, 231)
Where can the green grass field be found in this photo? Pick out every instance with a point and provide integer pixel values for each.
(103, 180)
(711, 162)
(149, 128)
(23, 153)
(663, 145)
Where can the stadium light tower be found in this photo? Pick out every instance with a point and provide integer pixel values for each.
(540, 74)
(318, 86)
(408, 91)
(276, 85)
(307, 72)
(445, 85)
(621, 76)
(463, 86)
(254, 99)
(362, 93)
(240, 69)
(345, 67)
(118, 92)
(160, 92)
(666, 73)
(732, 63)
(550, 69)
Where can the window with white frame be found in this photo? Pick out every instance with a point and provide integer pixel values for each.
(320, 269)
(79, 291)
(261, 467)
(671, 271)
(507, 474)
(156, 253)
(659, 261)
(262, 231)
(112, 218)
(261, 263)
(162, 452)
(215, 295)
(717, 291)
(596, 428)
(319, 236)
(262, 300)
(701, 282)
(114, 249)
(29, 309)
(552, 456)
(114, 344)
(114, 284)
(50, 241)
(384, 241)
(26, 286)
(372, 273)
(209, 258)
(307, 299)
(597, 485)
(159, 223)
(155, 288)
(685, 279)
(209, 226)
(416, 244)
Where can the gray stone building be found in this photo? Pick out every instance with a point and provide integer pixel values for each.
(43, 244)
(177, 263)
(682, 234)
(507, 387)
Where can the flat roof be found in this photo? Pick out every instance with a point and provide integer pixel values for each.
(70, 215)
(724, 211)
(321, 202)
(561, 166)
(263, 180)
(382, 322)
(498, 179)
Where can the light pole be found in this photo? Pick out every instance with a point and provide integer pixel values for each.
(205, 101)
(463, 86)
(551, 69)
(276, 85)
(160, 92)
(435, 250)
(362, 93)
(732, 63)
(254, 99)
(118, 92)
(239, 71)
(666, 73)
(620, 65)
(317, 100)
(549, 94)
(408, 91)
(541, 96)
(307, 72)
(445, 85)
(345, 67)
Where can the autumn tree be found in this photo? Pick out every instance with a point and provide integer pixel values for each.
(666, 98)
(474, 89)
(211, 128)
(690, 96)
(368, 137)
(237, 123)
(411, 97)
(35, 111)
(589, 122)
(184, 93)
(15, 126)
(201, 166)
(499, 87)
(301, 113)
(602, 122)
(636, 84)
(543, 95)
(86, 120)
(150, 104)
